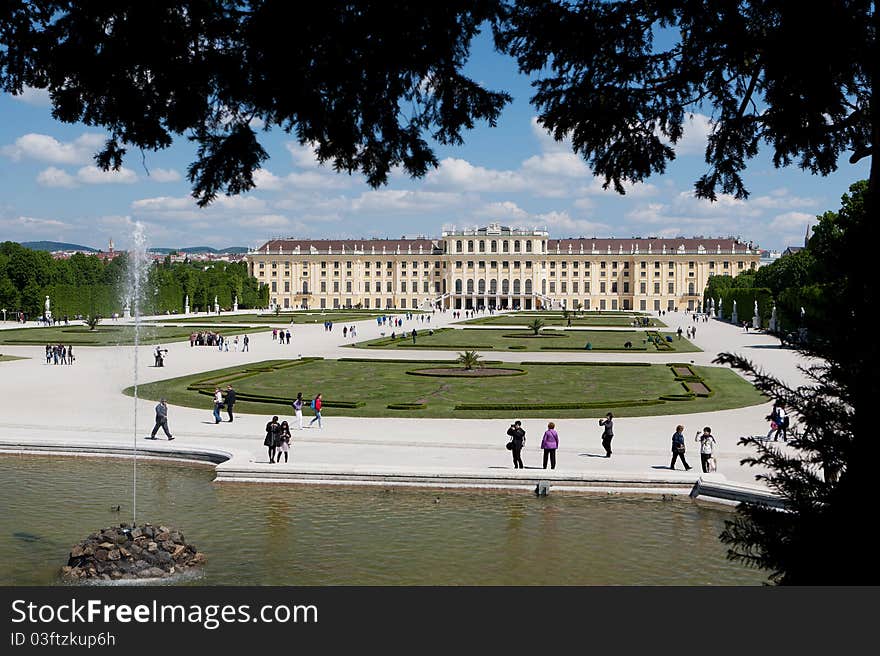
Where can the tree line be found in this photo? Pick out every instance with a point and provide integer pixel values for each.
(90, 285)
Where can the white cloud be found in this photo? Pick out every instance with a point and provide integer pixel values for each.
(556, 164)
(55, 177)
(462, 175)
(400, 200)
(503, 211)
(165, 175)
(35, 97)
(782, 199)
(564, 221)
(32, 222)
(302, 156)
(267, 181)
(792, 220)
(94, 175)
(697, 128)
(43, 148)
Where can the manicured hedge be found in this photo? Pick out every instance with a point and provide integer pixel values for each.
(392, 360)
(406, 406)
(417, 372)
(584, 348)
(556, 406)
(590, 364)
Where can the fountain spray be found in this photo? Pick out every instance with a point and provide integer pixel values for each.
(137, 268)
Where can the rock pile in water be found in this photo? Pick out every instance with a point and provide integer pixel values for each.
(131, 552)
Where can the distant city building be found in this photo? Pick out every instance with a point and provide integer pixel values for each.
(768, 257)
(496, 266)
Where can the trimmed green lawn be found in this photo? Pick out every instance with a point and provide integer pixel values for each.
(585, 320)
(10, 358)
(512, 339)
(285, 318)
(369, 387)
(105, 335)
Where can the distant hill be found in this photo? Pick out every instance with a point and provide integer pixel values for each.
(57, 246)
(200, 249)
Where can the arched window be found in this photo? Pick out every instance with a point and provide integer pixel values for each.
(505, 246)
(457, 286)
(528, 286)
(493, 246)
(470, 245)
(470, 286)
(690, 288)
(528, 246)
(482, 245)
(505, 286)
(481, 286)
(305, 287)
(493, 286)
(516, 248)
(544, 287)
(516, 286)
(458, 246)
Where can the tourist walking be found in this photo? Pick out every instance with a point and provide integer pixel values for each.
(161, 420)
(517, 442)
(608, 433)
(550, 443)
(284, 436)
(273, 435)
(298, 408)
(245, 341)
(778, 422)
(218, 403)
(230, 401)
(70, 357)
(707, 449)
(287, 334)
(317, 404)
(678, 448)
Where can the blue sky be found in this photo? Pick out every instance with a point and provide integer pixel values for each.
(514, 173)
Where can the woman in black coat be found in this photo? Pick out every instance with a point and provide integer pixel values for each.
(273, 437)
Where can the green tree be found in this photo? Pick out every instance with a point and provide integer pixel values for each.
(469, 360)
(536, 325)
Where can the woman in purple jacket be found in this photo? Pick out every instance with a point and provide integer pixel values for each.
(550, 443)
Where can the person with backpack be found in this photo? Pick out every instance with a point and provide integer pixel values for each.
(707, 449)
(517, 442)
(317, 404)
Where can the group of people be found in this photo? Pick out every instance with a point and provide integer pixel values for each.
(349, 331)
(221, 402)
(59, 354)
(707, 449)
(550, 441)
(283, 336)
(550, 444)
(779, 422)
(205, 338)
(278, 438)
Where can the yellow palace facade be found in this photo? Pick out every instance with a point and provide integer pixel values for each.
(496, 266)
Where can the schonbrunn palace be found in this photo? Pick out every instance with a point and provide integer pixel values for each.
(496, 267)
